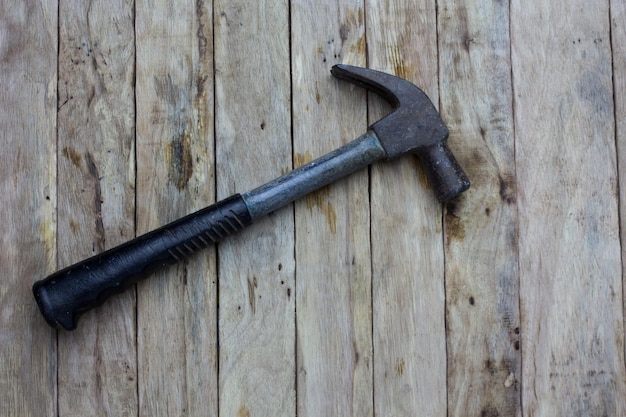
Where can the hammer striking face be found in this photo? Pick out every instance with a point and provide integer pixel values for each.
(413, 127)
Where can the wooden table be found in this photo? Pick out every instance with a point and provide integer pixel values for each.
(366, 298)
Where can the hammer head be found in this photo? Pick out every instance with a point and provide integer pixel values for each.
(414, 126)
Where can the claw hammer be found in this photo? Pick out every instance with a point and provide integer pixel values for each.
(413, 127)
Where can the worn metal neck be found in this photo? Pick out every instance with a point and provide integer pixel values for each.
(351, 157)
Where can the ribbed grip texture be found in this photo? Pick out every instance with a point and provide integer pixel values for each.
(65, 295)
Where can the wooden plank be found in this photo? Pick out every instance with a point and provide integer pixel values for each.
(618, 46)
(256, 274)
(407, 251)
(333, 292)
(570, 270)
(482, 282)
(28, 80)
(177, 308)
(96, 198)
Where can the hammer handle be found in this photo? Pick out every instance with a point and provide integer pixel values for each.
(65, 295)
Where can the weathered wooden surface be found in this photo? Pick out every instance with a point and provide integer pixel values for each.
(570, 292)
(407, 255)
(256, 317)
(618, 44)
(28, 120)
(96, 134)
(482, 282)
(176, 310)
(367, 298)
(334, 348)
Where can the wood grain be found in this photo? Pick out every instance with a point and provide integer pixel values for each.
(567, 184)
(256, 273)
(177, 309)
(508, 301)
(482, 281)
(96, 208)
(618, 46)
(334, 342)
(407, 251)
(28, 100)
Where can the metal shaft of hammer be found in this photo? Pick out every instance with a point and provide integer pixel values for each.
(327, 169)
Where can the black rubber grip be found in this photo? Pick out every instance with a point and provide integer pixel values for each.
(444, 172)
(65, 295)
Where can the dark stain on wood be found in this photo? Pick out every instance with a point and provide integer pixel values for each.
(455, 229)
(319, 199)
(252, 286)
(243, 411)
(489, 411)
(359, 48)
(179, 160)
(202, 38)
(490, 366)
(178, 152)
(183, 275)
(318, 96)
(201, 81)
(462, 27)
(483, 132)
(507, 189)
(74, 227)
(467, 41)
(400, 67)
(73, 155)
(99, 242)
(344, 30)
(599, 97)
(300, 159)
(399, 367)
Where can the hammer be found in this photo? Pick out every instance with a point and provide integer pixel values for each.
(413, 127)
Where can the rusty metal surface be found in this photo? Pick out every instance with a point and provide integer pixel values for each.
(414, 126)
